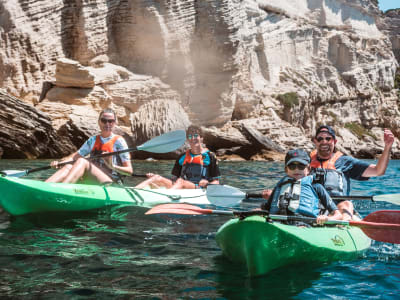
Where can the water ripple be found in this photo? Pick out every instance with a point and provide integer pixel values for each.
(124, 254)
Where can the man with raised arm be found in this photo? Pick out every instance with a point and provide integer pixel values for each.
(334, 170)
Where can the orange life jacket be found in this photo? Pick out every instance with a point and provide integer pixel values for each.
(326, 164)
(99, 148)
(107, 147)
(189, 159)
(325, 173)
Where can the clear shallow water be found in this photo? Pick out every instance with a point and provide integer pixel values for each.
(123, 254)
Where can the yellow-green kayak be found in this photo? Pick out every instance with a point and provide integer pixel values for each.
(24, 196)
(262, 246)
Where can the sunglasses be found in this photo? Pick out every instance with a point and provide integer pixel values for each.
(328, 139)
(300, 167)
(193, 136)
(109, 121)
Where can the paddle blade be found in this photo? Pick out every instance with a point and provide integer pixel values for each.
(14, 173)
(224, 195)
(384, 216)
(178, 209)
(165, 143)
(392, 198)
(382, 225)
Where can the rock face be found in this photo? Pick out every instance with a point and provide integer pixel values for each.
(27, 132)
(277, 68)
(390, 25)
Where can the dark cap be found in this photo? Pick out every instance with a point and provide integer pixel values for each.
(327, 129)
(297, 155)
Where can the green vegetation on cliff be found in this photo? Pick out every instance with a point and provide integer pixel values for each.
(288, 99)
(358, 130)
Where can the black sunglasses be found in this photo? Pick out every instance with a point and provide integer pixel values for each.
(109, 121)
(320, 139)
(292, 167)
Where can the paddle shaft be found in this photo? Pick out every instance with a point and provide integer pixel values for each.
(244, 214)
(257, 194)
(164, 143)
(139, 175)
(383, 226)
(361, 224)
(28, 171)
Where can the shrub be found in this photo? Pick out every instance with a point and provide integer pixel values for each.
(397, 81)
(289, 99)
(358, 130)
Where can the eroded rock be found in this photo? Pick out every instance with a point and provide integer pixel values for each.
(27, 132)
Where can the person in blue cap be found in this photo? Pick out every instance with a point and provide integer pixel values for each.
(297, 193)
(334, 170)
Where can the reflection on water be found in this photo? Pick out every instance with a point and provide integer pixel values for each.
(233, 282)
(118, 253)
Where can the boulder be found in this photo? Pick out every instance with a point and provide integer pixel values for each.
(155, 118)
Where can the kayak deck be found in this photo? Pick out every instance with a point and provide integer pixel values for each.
(263, 246)
(23, 196)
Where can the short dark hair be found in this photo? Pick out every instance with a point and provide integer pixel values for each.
(194, 129)
(108, 111)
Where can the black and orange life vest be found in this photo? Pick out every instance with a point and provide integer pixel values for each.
(193, 168)
(325, 173)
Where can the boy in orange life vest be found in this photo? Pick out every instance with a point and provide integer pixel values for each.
(197, 167)
(107, 169)
(334, 170)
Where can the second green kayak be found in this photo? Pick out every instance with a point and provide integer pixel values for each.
(262, 246)
(24, 196)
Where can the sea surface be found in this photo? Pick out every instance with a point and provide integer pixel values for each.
(124, 254)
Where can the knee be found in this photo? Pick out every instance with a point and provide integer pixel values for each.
(81, 161)
(345, 204)
(68, 167)
(154, 178)
(179, 180)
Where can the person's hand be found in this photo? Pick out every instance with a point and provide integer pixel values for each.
(388, 137)
(203, 183)
(54, 164)
(266, 194)
(149, 175)
(321, 219)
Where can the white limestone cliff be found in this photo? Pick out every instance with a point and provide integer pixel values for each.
(210, 61)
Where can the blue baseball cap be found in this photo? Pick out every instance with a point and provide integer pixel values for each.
(327, 129)
(297, 155)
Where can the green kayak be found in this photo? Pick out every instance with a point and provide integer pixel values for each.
(24, 196)
(263, 246)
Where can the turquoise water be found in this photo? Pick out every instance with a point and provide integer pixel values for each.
(123, 254)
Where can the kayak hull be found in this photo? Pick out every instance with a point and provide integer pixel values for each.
(263, 246)
(24, 196)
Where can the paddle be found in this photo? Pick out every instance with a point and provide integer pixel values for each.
(161, 144)
(382, 225)
(231, 196)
